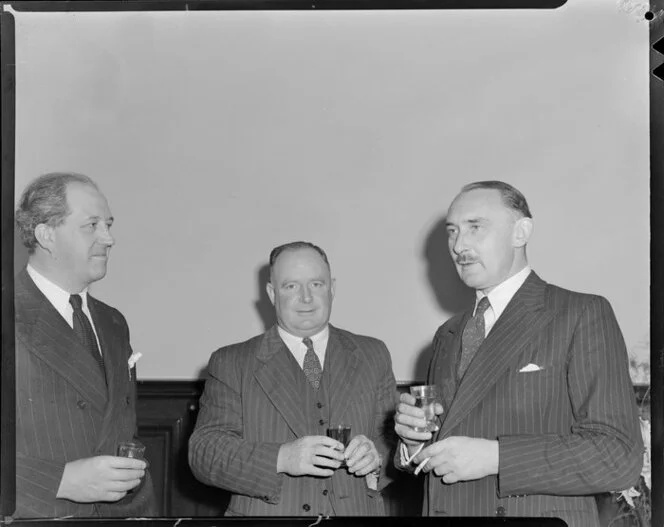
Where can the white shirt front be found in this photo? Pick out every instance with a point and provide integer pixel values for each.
(298, 349)
(60, 299)
(500, 296)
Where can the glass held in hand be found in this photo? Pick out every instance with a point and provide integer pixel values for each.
(133, 449)
(426, 397)
(342, 434)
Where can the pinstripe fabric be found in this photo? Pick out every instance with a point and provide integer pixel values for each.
(252, 404)
(63, 409)
(565, 432)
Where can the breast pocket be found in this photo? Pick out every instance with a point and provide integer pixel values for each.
(536, 396)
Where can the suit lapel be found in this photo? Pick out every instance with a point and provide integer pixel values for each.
(342, 360)
(523, 318)
(49, 337)
(276, 376)
(115, 363)
(445, 366)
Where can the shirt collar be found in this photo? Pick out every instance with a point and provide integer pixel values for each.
(293, 340)
(53, 292)
(501, 295)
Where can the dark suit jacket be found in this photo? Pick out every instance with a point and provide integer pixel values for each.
(251, 405)
(566, 431)
(64, 411)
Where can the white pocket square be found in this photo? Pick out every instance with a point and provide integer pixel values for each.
(530, 367)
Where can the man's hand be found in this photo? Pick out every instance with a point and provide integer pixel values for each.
(362, 456)
(407, 417)
(308, 455)
(460, 458)
(100, 478)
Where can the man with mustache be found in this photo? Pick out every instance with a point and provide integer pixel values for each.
(539, 409)
(267, 404)
(75, 387)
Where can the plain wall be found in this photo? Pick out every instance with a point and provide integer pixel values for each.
(219, 135)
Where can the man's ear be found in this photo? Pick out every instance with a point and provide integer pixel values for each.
(45, 235)
(270, 291)
(333, 287)
(523, 228)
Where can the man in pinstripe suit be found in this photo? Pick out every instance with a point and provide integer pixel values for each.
(261, 431)
(541, 415)
(74, 397)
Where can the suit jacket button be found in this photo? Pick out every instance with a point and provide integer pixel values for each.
(500, 511)
(321, 422)
(325, 492)
(82, 405)
(319, 405)
(127, 400)
(306, 507)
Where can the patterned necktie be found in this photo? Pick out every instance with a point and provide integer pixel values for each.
(312, 368)
(83, 329)
(473, 335)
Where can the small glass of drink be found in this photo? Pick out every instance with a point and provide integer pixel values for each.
(425, 397)
(341, 433)
(133, 449)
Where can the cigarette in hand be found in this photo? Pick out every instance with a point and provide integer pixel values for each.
(421, 466)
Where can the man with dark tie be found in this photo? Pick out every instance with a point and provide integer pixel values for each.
(268, 402)
(75, 385)
(539, 410)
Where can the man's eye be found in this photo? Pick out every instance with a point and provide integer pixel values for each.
(289, 287)
(317, 284)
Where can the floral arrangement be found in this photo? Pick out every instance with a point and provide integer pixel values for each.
(633, 504)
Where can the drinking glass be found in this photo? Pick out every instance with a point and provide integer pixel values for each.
(341, 433)
(133, 449)
(425, 397)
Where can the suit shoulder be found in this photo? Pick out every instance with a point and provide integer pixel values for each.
(239, 349)
(361, 340)
(109, 311)
(561, 298)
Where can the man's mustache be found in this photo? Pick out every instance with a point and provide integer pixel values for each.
(465, 260)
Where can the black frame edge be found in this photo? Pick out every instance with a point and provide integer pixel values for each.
(657, 266)
(8, 372)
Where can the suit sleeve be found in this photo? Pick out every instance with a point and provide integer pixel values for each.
(604, 449)
(218, 453)
(386, 401)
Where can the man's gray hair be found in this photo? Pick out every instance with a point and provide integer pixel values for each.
(44, 200)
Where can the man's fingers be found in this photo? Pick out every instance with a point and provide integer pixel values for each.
(122, 486)
(126, 474)
(125, 462)
(329, 452)
(322, 472)
(407, 399)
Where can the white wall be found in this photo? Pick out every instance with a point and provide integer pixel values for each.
(218, 135)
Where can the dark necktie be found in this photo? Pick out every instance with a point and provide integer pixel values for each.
(312, 368)
(473, 335)
(83, 329)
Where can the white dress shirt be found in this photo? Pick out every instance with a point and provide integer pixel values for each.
(60, 299)
(500, 296)
(298, 349)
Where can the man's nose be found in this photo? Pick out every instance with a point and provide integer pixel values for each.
(306, 295)
(459, 245)
(105, 237)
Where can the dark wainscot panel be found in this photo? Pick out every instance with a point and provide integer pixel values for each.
(167, 413)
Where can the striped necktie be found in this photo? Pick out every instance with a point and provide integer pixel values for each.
(473, 335)
(83, 329)
(312, 368)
